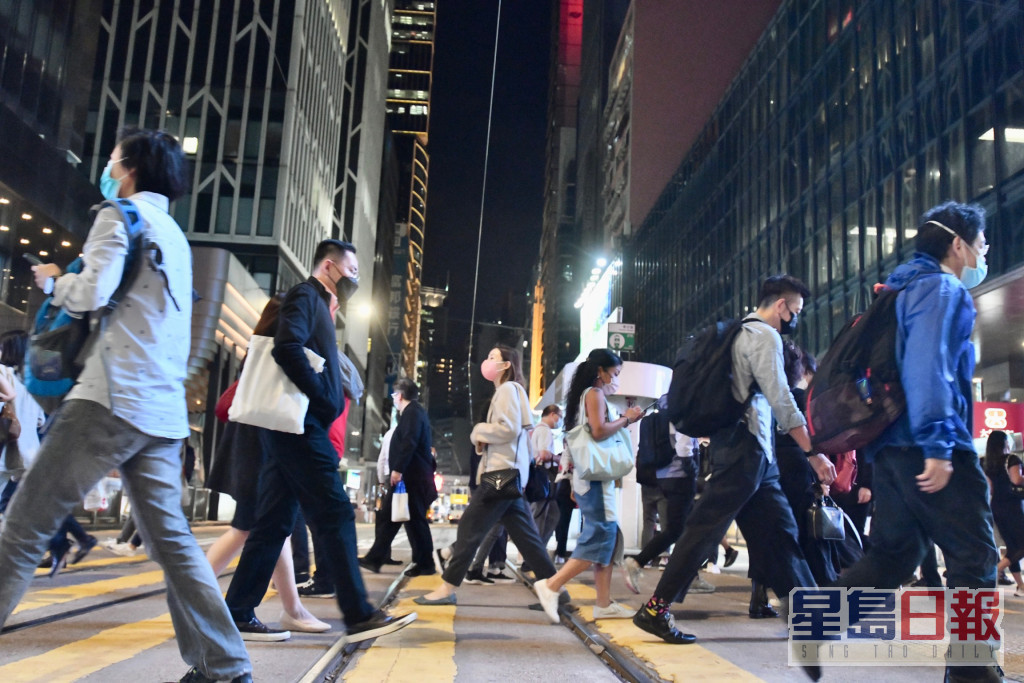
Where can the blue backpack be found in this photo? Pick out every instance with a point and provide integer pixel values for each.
(59, 342)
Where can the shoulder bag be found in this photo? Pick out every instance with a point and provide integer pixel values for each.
(265, 397)
(825, 520)
(604, 460)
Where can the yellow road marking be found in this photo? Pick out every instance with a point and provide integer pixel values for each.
(62, 594)
(425, 648)
(77, 660)
(97, 564)
(672, 662)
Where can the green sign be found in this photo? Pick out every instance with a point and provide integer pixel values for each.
(621, 336)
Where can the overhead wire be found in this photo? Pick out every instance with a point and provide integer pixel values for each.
(480, 229)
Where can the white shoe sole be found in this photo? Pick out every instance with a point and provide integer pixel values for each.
(305, 626)
(266, 637)
(395, 625)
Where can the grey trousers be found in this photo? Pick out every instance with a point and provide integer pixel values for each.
(85, 442)
(655, 507)
(546, 516)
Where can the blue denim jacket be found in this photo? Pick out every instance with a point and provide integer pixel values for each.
(935, 314)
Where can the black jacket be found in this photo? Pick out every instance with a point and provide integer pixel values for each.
(305, 321)
(410, 453)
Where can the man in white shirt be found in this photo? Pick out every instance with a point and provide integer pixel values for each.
(545, 512)
(127, 409)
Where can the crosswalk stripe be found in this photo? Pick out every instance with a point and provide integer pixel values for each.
(62, 594)
(424, 649)
(672, 662)
(97, 564)
(77, 660)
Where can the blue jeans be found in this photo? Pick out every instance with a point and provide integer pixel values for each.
(300, 469)
(85, 442)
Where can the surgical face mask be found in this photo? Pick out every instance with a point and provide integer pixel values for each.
(612, 385)
(110, 186)
(974, 276)
(346, 287)
(492, 369)
(788, 326)
(971, 276)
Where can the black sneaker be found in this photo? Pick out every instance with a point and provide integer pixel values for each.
(498, 576)
(255, 630)
(312, 589)
(417, 570)
(730, 557)
(477, 578)
(194, 675)
(663, 626)
(379, 624)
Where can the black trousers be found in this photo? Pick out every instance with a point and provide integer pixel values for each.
(679, 493)
(477, 520)
(417, 529)
(743, 486)
(906, 521)
(300, 469)
(563, 496)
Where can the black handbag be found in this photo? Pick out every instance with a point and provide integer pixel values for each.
(825, 520)
(501, 485)
(538, 485)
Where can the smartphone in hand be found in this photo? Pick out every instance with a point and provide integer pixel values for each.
(32, 258)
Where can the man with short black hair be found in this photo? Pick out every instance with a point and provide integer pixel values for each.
(302, 469)
(927, 482)
(744, 482)
(410, 461)
(127, 408)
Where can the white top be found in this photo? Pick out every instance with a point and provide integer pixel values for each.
(138, 365)
(383, 468)
(30, 416)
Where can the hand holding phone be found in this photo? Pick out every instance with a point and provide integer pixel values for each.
(32, 258)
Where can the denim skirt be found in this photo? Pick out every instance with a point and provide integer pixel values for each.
(600, 541)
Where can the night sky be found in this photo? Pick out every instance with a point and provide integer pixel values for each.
(458, 126)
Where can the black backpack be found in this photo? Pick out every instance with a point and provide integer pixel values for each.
(654, 449)
(700, 400)
(857, 392)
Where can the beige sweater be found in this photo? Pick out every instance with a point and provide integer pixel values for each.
(504, 441)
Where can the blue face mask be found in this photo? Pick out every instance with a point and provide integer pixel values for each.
(109, 186)
(972, 277)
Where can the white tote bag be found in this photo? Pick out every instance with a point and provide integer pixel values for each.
(400, 504)
(265, 397)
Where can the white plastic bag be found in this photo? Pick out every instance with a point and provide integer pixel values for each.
(265, 396)
(400, 504)
(99, 497)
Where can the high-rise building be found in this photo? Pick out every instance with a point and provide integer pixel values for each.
(46, 52)
(280, 110)
(845, 122)
(408, 117)
(555, 321)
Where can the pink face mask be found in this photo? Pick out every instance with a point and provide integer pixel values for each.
(491, 369)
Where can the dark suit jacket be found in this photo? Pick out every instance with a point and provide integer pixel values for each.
(410, 453)
(305, 321)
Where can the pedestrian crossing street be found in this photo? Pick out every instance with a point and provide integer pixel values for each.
(106, 619)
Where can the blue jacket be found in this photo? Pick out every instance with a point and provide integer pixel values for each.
(935, 315)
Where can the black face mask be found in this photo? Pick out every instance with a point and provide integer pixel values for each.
(788, 326)
(346, 287)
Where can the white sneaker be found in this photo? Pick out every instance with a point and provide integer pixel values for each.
(123, 549)
(634, 573)
(615, 610)
(548, 599)
(699, 585)
(1018, 593)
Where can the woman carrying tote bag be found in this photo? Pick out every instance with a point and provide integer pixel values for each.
(503, 442)
(600, 540)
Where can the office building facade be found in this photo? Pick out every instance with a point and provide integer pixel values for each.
(845, 123)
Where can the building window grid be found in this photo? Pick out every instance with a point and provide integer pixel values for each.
(855, 176)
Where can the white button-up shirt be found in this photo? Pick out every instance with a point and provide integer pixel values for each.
(138, 364)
